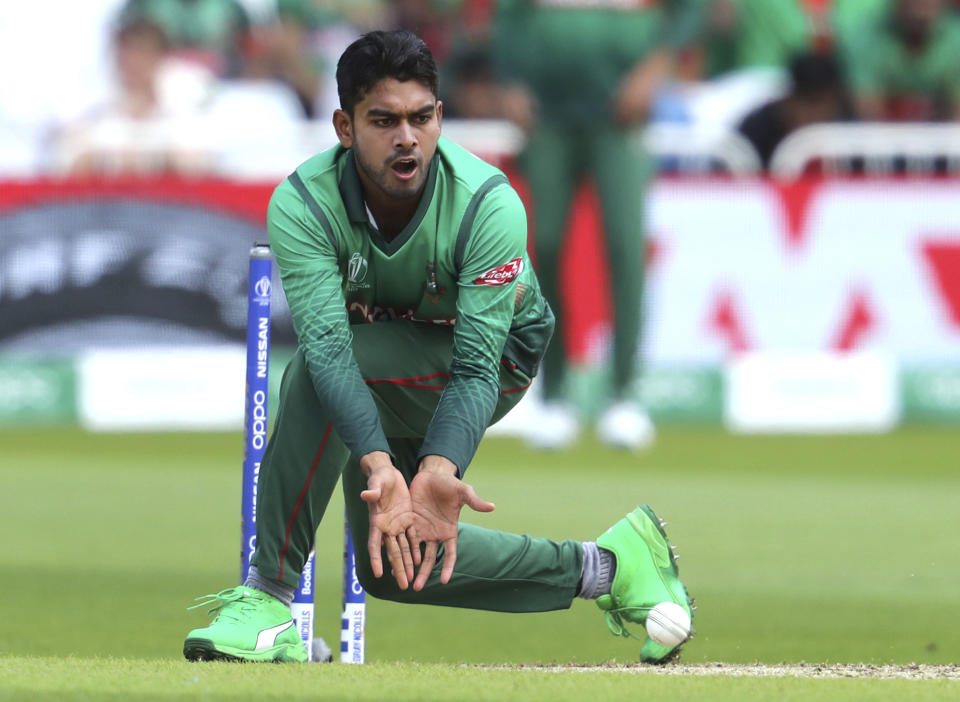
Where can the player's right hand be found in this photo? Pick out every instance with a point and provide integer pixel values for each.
(437, 500)
(391, 516)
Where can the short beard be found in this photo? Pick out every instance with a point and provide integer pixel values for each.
(380, 178)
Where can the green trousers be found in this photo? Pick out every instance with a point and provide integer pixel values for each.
(557, 158)
(304, 459)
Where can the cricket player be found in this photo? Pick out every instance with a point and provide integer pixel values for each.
(583, 76)
(420, 322)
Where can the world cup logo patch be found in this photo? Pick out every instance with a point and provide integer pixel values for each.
(357, 268)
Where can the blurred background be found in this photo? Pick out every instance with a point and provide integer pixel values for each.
(746, 213)
(800, 234)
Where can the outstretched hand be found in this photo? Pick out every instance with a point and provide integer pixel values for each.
(391, 519)
(437, 498)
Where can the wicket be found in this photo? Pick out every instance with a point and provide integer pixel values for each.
(255, 441)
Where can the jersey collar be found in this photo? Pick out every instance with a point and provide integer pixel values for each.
(352, 194)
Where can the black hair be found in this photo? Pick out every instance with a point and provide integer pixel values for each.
(814, 73)
(400, 55)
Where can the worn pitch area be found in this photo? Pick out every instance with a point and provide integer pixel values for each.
(763, 670)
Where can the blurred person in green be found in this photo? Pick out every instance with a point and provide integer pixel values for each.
(904, 65)
(762, 33)
(434, 20)
(750, 33)
(582, 76)
(849, 17)
(302, 46)
(211, 32)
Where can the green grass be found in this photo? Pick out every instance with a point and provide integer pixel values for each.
(828, 549)
(141, 680)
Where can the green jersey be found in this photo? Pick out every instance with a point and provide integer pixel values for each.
(214, 25)
(772, 31)
(574, 53)
(460, 261)
(914, 85)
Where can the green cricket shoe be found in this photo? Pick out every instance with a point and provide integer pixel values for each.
(646, 576)
(250, 626)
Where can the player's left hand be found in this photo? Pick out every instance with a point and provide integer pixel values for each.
(437, 497)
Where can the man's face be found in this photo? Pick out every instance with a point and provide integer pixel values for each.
(138, 59)
(393, 133)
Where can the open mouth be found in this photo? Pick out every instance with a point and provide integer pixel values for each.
(404, 167)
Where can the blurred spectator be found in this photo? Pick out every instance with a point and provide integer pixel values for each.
(302, 47)
(584, 75)
(213, 33)
(150, 86)
(42, 88)
(849, 18)
(468, 76)
(469, 85)
(741, 61)
(431, 20)
(906, 66)
(140, 49)
(747, 33)
(816, 95)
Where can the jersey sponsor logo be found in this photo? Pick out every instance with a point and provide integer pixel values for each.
(376, 313)
(501, 275)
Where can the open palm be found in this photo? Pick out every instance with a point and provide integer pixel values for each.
(391, 518)
(437, 500)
